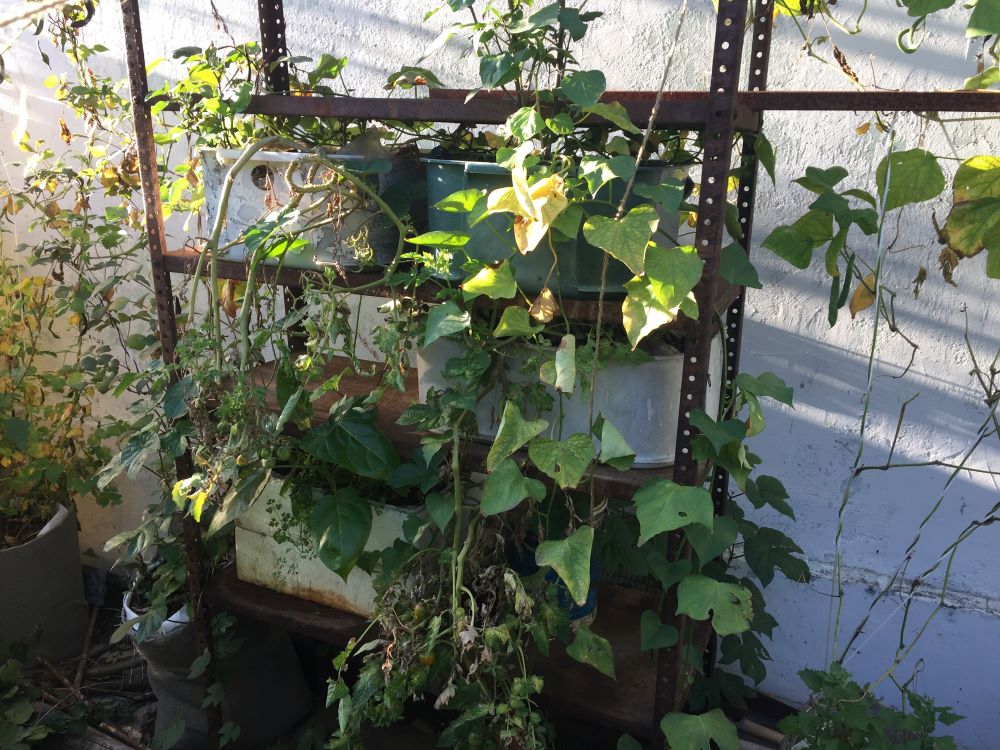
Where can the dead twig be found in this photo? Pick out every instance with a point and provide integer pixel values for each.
(109, 729)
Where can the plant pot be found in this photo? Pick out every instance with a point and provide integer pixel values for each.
(641, 400)
(578, 274)
(41, 590)
(264, 690)
(260, 189)
(522, 561)
(286, 567)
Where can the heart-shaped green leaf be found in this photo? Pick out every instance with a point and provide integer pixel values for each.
(653, 634)
(584, 87)
(699, 732)
(590, 648)
(570, 559)
(340, 526)
(506, 487)
(661, 293)
(444, 320)
(615, 113)
(515, 321)
(441, 509)
(710, 543)
(662, 505)
(624, 239)
(513, 433)
(614, 450)
(719, 434)
(914, 176)
(566, 461)
(495, 282)
(727, 603)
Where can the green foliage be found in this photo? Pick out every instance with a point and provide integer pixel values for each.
(728, 604)
(565, 461)
(662, 505)
(626, 238)
(570, 558)
(340, 526)
(19, 726)
(842, 714)
(513, 433)
(505, 488)
(590, 648)
(687, 732)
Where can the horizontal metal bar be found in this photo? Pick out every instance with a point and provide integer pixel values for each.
(681, 109)
(872, 101)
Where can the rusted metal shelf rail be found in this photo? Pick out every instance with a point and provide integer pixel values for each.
(184, 262)
(607, 481)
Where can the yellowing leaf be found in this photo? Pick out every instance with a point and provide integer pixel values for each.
(864, 295)
(108, 177)
(535, 207)
(545, 307)
(229, 292)
(977, 177)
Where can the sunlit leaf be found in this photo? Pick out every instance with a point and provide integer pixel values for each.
(864, 295)
(515, 322)
(565, 461)
(624, 239)
(914, 176)
(495, 282)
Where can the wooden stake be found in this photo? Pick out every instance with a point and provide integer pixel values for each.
(81, 668)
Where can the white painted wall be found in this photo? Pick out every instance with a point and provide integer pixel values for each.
(811, 447)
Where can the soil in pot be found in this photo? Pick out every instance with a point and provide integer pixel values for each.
(41, 588)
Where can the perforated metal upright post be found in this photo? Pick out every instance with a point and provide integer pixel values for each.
(274, 45)
(746, 197)
(718, 148)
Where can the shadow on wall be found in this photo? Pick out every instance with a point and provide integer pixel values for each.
(950, 662)
(812, 448)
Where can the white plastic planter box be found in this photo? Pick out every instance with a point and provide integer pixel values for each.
(286, 568)
(259, 189)
(641, 400)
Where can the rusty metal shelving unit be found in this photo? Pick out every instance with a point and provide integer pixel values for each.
(720, 112)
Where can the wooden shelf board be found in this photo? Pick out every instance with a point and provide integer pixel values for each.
(571, 688)
(225, 591)
(185, 262)
(608, 482)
